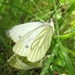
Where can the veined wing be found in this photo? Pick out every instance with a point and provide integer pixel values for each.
(15, 62)
(40, 45)
(19, 31)
(22, 47)
(22, 63)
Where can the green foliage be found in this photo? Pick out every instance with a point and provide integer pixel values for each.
(60, 58)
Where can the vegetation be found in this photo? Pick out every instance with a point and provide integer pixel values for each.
(60, 58)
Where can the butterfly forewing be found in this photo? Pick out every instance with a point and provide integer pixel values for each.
(23, 45)
(19, 31)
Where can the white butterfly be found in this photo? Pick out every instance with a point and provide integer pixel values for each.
(32, 39)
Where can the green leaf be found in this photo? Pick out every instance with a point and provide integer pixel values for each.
(49, 60)
(65, 36)
(67, 60)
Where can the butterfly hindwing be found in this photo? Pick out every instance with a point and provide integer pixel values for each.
(22, 62)
(40, 45)
(16, 62)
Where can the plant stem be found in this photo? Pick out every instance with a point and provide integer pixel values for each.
(57, 28)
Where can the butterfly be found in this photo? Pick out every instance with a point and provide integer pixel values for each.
(32, 39)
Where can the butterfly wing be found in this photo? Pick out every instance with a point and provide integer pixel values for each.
(19, 31)
(22, 47)
(22, 63)
(15, 62)
(40, 45)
